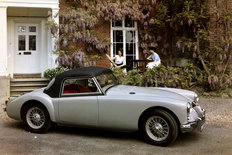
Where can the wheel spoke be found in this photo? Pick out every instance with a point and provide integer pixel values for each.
(35, 117)
(157, 128)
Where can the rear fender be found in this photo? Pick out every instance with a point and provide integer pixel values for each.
(46, 102)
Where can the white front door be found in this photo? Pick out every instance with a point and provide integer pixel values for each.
(27, 57)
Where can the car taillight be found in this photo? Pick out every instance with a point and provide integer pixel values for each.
(6, 102)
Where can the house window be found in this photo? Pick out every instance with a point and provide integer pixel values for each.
(124, 37)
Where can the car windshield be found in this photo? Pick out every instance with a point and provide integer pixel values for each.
(107, 80)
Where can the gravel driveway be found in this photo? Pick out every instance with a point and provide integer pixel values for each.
(216, 138)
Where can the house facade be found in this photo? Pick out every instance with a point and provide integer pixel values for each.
(25, 43)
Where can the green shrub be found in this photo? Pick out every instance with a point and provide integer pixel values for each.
(120, 75)
(134, 78)
(162, 76)
(180, 77)
(51, 73)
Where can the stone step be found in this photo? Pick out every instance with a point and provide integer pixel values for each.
(26, 87)
(22, 90)
(20, 86)
(27, 75)
(30, 80)
(28, 84)
(17, 94)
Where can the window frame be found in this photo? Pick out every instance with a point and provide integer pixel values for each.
(124, 29)
(99, 92)
(27, 35)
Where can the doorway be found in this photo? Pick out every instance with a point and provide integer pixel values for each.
(26, 56)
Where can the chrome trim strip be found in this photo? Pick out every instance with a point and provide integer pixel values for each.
(98, 85)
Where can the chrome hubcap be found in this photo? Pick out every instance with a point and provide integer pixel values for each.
(35, 117)
(157, 128)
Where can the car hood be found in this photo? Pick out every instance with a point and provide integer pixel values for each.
(171, 93)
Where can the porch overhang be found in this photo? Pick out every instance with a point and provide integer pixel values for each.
(53, 4)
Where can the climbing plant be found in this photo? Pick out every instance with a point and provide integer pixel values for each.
(214, 46)
(176, 28)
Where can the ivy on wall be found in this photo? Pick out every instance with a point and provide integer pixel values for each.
(175, 28)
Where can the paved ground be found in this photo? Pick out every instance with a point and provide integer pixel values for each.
(215, 139)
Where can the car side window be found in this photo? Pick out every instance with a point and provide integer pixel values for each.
(79, 86)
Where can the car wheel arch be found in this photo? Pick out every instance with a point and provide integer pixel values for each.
(35, 102)
(145, 112)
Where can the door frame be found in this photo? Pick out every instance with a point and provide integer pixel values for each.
(44, 46)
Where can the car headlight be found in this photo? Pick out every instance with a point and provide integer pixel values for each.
(189, 106)
(196, 98)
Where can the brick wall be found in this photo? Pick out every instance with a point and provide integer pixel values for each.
(102, 31)
(216, 29)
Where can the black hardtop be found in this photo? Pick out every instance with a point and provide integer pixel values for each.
(54, 90)
(85, 71)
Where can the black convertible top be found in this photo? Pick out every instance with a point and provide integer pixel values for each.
(54, 90)
(85, 71)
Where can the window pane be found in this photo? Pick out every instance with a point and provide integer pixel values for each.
(117, 47)
(129, 22)
(117, 23)
(32, 28)
(117, 36)
(107, 80)
(21, 42)
(130, 36)
(32, 42)
(21, 28)
(130, 48)
(75, 86)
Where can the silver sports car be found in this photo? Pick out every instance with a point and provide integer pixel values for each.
(93, 97)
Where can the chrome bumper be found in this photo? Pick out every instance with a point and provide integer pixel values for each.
(199, 124)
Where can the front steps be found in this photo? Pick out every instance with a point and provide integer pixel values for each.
(20, 86)
(22, 76)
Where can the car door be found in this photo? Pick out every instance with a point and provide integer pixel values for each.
(78, 102)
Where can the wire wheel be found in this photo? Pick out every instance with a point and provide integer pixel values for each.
(157, 128)
(35, 118)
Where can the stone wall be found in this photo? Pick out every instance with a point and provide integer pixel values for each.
(4, 87)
